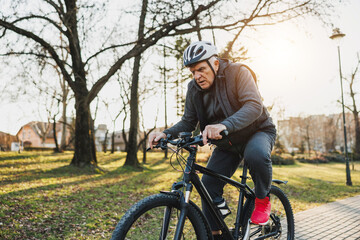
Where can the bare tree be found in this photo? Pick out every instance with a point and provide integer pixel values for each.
(307, 137)
(63, 16)
(145, 91)
(145, 133)
(131, 157)
(177, 50)
(354, 109)
(42, 129)
(330, 133)
(104, 143)
(76, 21)
(123, 107)
(126, 105)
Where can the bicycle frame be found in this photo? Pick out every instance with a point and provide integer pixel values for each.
(191, 178)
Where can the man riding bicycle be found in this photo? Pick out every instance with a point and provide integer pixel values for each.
(224, 96)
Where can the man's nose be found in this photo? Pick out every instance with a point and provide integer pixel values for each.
(197, 75)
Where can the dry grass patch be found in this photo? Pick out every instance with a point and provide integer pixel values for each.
(42, 197)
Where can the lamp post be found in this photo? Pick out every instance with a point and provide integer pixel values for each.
(337, 36)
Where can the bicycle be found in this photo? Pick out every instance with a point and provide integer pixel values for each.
(172, 215)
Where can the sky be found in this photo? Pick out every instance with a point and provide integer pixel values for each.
(297, 67)
(297, 63)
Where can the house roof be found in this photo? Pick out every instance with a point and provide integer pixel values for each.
(8, 134)
(36, 126)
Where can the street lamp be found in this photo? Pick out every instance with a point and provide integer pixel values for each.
(337, 36)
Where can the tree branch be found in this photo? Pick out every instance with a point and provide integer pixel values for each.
(142, 45)
(43, 18)
(352, 93)
(43, 43)
(190, 30)
(25, 53)
(58, 9)
(108, 48)
(284, 11)
(347, 107)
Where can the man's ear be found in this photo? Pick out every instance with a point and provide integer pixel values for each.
(216, 65)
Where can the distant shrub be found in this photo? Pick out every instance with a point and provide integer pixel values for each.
(315, 160)
(334, 157)
(279, 160)
(355, 157)
(38, 149)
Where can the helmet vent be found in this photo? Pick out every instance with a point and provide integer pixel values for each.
(199, 51)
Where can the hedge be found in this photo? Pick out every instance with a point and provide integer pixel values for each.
(279, 160)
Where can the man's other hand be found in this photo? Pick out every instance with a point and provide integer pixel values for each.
(213, 132)
(155, 137)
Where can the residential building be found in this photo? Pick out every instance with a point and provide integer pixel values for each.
(5, 141)
(101, 132)
(322, 133)
(41, 134)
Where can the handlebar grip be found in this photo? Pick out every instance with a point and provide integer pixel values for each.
(224, 133)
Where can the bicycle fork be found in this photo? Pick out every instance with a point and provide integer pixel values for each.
(184, 203)
(184, 208)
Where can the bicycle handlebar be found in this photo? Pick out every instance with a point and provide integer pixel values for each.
(185, 140)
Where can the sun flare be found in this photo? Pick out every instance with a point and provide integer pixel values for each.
(279, 52)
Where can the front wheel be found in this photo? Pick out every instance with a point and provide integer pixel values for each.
(281, 224)
(156, 217)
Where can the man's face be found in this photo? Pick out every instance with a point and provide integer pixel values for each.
(203, 74)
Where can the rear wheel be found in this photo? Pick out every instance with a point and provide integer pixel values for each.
(281, 224)
(156, 217)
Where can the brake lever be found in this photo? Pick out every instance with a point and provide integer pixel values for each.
(163, 144)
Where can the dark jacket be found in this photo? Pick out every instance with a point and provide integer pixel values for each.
(240, 101)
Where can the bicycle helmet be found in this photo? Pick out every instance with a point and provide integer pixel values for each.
(199, 51)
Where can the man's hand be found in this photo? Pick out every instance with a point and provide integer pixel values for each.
(213, 132)
(155, 137)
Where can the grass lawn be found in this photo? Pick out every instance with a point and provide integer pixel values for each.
(42, 197)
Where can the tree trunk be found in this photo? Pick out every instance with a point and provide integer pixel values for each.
(57, 149)
(357, 135)
(84, 137)
(308, 140)
(105, 142)
(113, 142)
(197, 22)
(84, 154)
(144, 149)
(64, 124)
(132, 148)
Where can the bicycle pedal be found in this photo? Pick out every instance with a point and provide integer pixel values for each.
(224, 209)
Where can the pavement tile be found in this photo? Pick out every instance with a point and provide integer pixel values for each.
(336, 220)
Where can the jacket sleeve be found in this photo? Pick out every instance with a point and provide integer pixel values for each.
(249, 99)
(189, 119)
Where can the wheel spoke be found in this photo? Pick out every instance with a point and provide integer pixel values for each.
(280, 218)
(156, 217)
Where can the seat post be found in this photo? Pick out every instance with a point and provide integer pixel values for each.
(240, 214)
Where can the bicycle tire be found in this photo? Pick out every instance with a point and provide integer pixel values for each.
(150, 211)
(280, 210)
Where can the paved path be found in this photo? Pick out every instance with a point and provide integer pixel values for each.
(336, 220)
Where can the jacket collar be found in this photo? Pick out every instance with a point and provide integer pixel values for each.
(224, 63)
